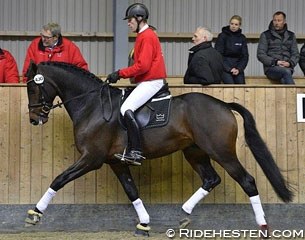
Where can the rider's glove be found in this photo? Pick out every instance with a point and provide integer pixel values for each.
(113, 77)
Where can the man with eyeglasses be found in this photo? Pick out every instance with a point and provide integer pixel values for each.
(52, 46)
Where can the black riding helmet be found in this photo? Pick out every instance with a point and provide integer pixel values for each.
(139, 11)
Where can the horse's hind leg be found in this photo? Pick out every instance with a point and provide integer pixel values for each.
(221, 147)
(231, 164)
(201, 163)
(123, 174)
(227, 158)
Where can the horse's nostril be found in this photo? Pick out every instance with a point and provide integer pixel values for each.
(33, 122)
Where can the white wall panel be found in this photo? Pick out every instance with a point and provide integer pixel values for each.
(72, 15)
(185, 15)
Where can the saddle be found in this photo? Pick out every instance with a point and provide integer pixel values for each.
(154, 113)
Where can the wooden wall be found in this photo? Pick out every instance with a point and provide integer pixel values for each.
(32, 156)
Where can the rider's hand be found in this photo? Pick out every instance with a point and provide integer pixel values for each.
(113, 77)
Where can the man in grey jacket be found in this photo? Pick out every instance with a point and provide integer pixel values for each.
(278, 51)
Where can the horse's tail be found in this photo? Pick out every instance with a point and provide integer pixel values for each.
(262, 154)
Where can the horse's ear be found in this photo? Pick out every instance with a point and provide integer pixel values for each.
(32, 70)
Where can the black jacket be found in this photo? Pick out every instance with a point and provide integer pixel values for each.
(233, 47)
(205, 65)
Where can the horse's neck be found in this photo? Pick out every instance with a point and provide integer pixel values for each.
(69, 88)
(72, 92)
(81, 102)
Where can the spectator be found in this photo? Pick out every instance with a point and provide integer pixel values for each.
(8, 68)
(278, 51)
(52, 46)
(232, 45)
(302, 59)
(205, 64)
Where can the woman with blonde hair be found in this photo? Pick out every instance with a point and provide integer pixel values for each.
(232, 45)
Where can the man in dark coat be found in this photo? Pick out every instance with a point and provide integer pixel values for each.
(278, 51)
(205, 65)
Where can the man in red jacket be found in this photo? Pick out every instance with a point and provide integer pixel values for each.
(8, 68)
(148, 72)
(52, 46)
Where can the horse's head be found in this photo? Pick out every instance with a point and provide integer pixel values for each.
(41, 94)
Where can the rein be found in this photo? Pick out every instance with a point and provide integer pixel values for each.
(110, 101)
(59, 104)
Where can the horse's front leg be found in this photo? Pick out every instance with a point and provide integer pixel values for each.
(85, 164)
(123, 174)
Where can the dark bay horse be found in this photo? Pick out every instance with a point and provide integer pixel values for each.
(202, 126)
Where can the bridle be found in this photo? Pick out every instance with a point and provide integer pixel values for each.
(46, 106)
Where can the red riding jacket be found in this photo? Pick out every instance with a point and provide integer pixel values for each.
(8, 68)
(148, 59)
(64, 51)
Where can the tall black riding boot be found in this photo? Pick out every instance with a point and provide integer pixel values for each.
(134, 150)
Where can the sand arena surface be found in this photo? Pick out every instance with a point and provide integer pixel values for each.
(107, 235)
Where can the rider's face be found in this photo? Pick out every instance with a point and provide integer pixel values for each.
(132, 24)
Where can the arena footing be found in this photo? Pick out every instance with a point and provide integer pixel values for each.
(122, 217)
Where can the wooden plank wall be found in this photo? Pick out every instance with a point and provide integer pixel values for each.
(32, 156)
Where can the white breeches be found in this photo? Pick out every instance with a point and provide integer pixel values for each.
(141, 94)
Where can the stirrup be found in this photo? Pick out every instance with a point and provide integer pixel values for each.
(120, 156)
(134, 159)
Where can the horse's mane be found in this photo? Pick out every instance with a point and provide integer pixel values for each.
(73, 68)
(83, 74)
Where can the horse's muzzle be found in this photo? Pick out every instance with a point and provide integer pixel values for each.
(38, 119)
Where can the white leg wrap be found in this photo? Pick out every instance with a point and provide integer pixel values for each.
(141, 211)
(258, 210)
(45, 200)
(193, 200)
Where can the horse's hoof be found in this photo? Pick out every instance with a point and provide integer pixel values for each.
(183, 223)
(264, 232)
(142, 231)
(33, 218)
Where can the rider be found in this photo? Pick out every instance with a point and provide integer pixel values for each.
(149, 73)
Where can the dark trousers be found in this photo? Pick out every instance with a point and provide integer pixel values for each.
(282, 74)
(228, 78)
